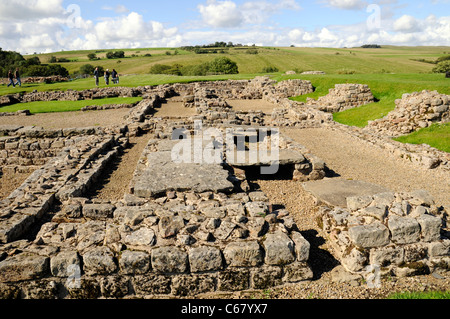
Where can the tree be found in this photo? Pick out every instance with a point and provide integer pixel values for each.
(442, 67)
(92, 56)
(87, 69)
(223, 65)
(115, 55)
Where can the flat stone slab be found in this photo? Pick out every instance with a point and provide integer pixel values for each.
(255, 158)
(162, 175)
(334, 191)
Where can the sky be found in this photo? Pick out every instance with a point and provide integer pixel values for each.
(44, 26)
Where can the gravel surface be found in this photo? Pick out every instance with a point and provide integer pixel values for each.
(10, 181)
(353, 159)
(69, 119)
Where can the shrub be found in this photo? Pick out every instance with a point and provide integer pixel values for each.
(92, 56)
(442, 67)
(115, 55)
(443, 58)
(251, 51)
(223, 65)
(269, 69)
(159, 69)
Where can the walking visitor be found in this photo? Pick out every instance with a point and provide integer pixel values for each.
(115, 76)
(96, 76)
(11, 79)
(17, 75)
(107, 76)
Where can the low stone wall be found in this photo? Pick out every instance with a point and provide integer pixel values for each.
(343, 97)
(398, 233)
(79, 163)
(38, 79)
(412, 112)
(186, 245)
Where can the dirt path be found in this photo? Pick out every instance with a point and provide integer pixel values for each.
(353, 159)
(69, 119)
(120, 172)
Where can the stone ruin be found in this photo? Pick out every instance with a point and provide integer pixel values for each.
(343, 97)
(399, 233)
(189, 228)
(414, 111)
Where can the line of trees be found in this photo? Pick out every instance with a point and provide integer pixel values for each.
(10, 60)
(220, 65)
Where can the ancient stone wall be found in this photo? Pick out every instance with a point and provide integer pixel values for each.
(398, 233)
(412, 112)
(343, 97)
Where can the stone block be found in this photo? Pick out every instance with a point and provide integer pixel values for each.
(169, 260)
(134, 262)
(98, 211)
(99, 261)
(142, 237)
(205, 259)
(404, 230)
(302, 246)
(243, 254)
(191, 285)
(235, 279)
(24, 266)
(65, 264)
(386, 256)
(430, 226)
(151, 284)
(369, 236)
(266, 277)
(296, 272)
(279, 249)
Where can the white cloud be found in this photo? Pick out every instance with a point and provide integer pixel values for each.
(117, 9)
(346, 4)
(224, 14)
(406, 23)
(227, 14)
(23, 10)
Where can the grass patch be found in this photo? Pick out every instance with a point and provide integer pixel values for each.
(66, 106)
(437, 136)
(421, 295)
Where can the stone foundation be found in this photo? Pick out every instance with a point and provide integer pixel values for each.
(402, 234)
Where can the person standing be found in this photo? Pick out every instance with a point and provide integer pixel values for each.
(11, 79)
(107, 76)
(96, 76)
(17, 75)
(115, 76)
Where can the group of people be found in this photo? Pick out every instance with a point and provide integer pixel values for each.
(11, 77)
(114, 76)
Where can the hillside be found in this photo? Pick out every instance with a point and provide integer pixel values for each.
(387, 59)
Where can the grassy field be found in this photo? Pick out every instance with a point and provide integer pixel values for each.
(66, 106)
(437, 136)
(357, 60)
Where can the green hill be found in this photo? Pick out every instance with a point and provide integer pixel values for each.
(387, 59)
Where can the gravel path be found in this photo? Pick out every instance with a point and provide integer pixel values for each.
(69, 119)
(353, 159)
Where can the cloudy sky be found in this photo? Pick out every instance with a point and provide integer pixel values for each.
(29, 26)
